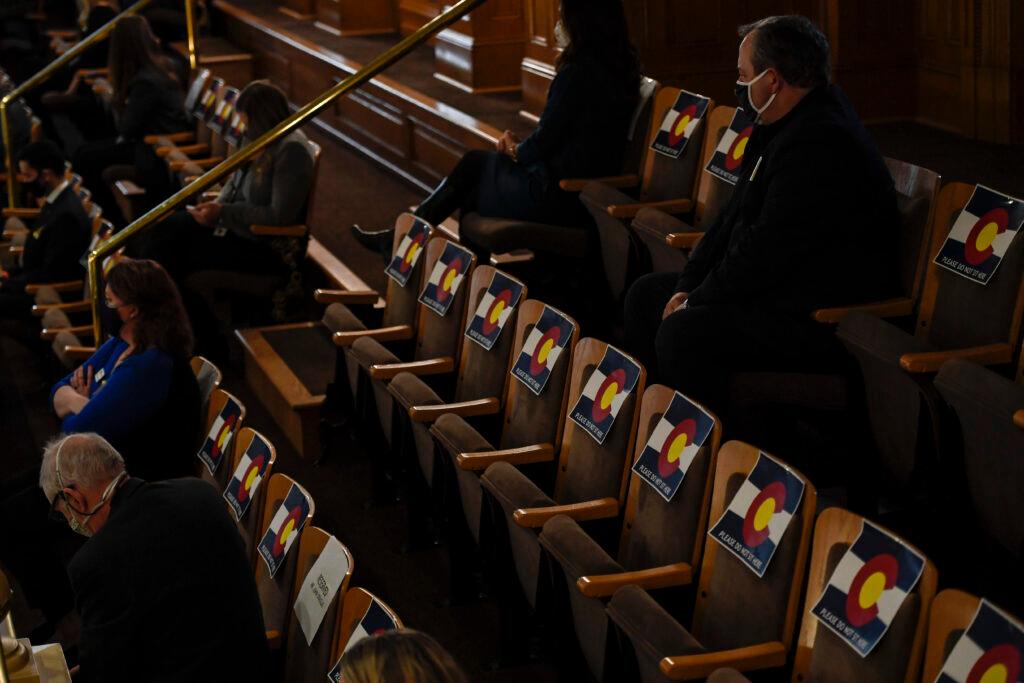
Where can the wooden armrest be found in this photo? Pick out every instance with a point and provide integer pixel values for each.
(346, 296)
(516, 456)
(189, 179)
(931, 361)
(129, 189)
(39, 310)
(49, 334)
(201, 163)
(17, 250)
(668, 206)
(619, 181)
(198, 148)
(210, 195)
(511, 257)
(683, 240)
(183, 136)
(1018, 418)
(67, 286)
(79, 352)
(93, 73)
(21, 213)
(273, 639)
(481, 406)
(602, 508)
(604, 585)
(279, 230)
(69, 33)
(892, 308)
(431, 366)
(760, 656)
(395, 333)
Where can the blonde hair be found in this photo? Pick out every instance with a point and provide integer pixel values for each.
(404, 656)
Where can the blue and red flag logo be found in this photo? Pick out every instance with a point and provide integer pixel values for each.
(674, 443)
(221, 433)
(542, 349)
(284, 528)
(403, 264)
(981, 235)
(448, 273)
(374, 622)
(679, 124)
(991, 650)
(495, 309)
(727, 161)
(607, 388)
(252, 468)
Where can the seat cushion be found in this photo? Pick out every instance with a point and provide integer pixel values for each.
(47, 295)
(55, 319)
(880, 339)
(502, 235)
(339, 318)
(409, 390)
(60, 341)
(455, 435)
(598, 197)
(652, 631)
(366, 352)
(727, 676)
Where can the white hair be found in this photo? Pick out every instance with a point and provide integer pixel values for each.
(86, 460)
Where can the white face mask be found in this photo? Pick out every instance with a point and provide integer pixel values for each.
(746, 103)
(561, 35)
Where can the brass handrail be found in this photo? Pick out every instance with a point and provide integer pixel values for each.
(47, 71)
(311, 109)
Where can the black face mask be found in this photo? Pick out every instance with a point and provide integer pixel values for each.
(111, 321)
(37, 187)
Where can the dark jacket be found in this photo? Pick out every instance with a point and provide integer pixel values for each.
(154, 104)
(54, 245)
(582, 131)
(814, 225)
(165, 590)
(148, 408)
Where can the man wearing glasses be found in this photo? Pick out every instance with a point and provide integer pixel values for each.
(163, 586)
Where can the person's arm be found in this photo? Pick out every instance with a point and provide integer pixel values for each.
(803, 190)
(134, 392)
(64, 246)
(104, 605)
(59, 391)
(140, 109)
(698, 265)
(293, 175)
(567, 95)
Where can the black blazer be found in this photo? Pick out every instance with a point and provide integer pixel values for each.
(154, 105)
(54, 245)
(165, 590)
(814, 225)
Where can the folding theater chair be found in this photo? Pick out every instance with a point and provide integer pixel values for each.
(986, 422)
(201, 95)
(310, 662)
(740, 619)
(361, 607)
(208, 377)
(224, 418)
(957, 318)
(665, 183)
(482, 375)
(218, 123)
(590, 481)
(275, 588)
(662, 541)
(251, 465)
(821, 655)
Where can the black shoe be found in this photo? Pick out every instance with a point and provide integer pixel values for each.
(377, 240)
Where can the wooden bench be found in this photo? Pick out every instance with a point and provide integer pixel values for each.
(288, 366)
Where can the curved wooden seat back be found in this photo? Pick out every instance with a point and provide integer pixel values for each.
(637, 144)
(248, 526)
(401, 303)
(218, 400)
(357, 601)
(917, 189)
(530, 419)
(663, 177)
(951, 613)
(897, 657)
(438, 336)
(656, 532)
(713, 193)
(310, 663)
(588, 470)
(276, 591)
(735, 607)
(208, 377)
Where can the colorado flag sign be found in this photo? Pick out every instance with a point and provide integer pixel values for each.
(728, 157)
(445, 278)
(673, 445)
(409, 251)
(752, 527)
(542, 348)
(252, 467)
(867, 588)
(284, 528)
(991, 649)
(611, 382)
(496, 306)
(680, 122)
(981, 235)
(374, 622)
(221, 433)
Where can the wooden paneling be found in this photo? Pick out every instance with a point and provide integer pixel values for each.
(356, 17)
(541, 53)
(414, 13)
(300, 9)
(483, 51)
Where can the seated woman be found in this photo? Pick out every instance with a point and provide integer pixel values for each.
(137, 390)
(272, 189)
(146, 99)
(582, 133)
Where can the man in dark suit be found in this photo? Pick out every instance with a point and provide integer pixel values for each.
(56, 240)
(812, 222)
(163, 586)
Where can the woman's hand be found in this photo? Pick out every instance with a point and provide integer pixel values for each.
(67, 401)
(207, 213)
(677, 300)
(507, 143)
(81, 381)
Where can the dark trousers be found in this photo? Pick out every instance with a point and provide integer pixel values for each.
(93, 158)
(697, 350)
(15, 306)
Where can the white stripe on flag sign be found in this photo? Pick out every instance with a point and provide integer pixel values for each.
(593, 384)
(842, 578)
(962, 659)
(965, 223)
(726, 142)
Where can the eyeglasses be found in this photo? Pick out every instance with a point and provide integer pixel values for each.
(111, 305)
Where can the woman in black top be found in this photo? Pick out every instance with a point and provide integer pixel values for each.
(582, 131)
(146, 99)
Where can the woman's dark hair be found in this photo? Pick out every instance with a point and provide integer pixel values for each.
(408, 656)
(162, 322)
(265, 104)
(133, 47)
(598, 30)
